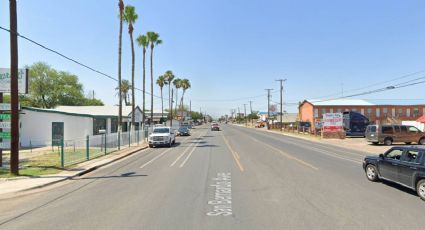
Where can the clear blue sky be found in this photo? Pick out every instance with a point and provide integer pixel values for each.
(232, 49)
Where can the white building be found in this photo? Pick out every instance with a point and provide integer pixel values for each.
(74, 122)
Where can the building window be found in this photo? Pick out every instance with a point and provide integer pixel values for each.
(346, 110)
(323, 111)
(331, 110)
(369, 112)
(114, 125)
(407, 112)
(316, 113)
(378, 112)
(362, 111)
(416, 112)
(400, 112)
(339, 110)
(98, 124)
(393, 112)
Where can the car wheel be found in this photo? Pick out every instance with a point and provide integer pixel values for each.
(420, 189)
(408, 143)
(388, 141)
(375, 142)
(371, 173)
(150, 146)
(174, 141)
(422, 141)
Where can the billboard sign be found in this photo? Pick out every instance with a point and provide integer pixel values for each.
(332, 122)
(5, 81)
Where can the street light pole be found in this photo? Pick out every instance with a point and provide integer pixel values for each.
(281, 101)
(268, 107)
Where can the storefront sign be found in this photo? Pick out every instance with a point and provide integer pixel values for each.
(5, 81)
(5, 125)
(5, 116)
(4, 135)
(332, 122)
(4, 145)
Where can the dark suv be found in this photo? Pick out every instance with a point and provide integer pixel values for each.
(402, 165)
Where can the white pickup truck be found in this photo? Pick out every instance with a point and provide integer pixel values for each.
(162, 136)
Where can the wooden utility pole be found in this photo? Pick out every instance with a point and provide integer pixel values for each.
(14, 145)
(268, 107)
(281, 101)
(246, 120)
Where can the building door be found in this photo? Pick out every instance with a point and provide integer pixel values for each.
(57, 133)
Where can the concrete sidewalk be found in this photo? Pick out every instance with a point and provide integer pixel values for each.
(10, 187)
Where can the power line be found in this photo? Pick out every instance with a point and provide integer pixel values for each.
(72, 60)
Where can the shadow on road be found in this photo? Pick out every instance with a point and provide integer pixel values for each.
(124, 175)
(399, 187)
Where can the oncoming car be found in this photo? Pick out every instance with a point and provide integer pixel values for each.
(215, 127)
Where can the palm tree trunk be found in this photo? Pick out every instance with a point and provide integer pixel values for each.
(121, 7)
(144, 88)
(170, 101)
(162, 105)
(152, 84)
(177, 100)
(181, 107)
(133, 98)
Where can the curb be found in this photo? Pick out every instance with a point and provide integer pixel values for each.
(80, 173)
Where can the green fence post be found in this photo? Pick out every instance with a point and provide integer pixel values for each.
(138, 137)
(119, 140)
(105, 143)
(62, 155)
(87, 148)
(30, 146)
(129, 138)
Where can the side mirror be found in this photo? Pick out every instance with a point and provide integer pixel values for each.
(381, 156)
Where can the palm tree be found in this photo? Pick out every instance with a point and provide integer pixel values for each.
(185, 84)
(121, 9)
(169, 76)
(154, 40)
(177, 84)
(161, 82)
(125, 88)
(130, 17)
(142, 40)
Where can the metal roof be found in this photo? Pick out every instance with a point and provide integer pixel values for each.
(342, 102)
(108, 111)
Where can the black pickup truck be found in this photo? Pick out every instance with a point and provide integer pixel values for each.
(402, 165)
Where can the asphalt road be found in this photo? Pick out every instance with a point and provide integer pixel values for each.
(237, 178)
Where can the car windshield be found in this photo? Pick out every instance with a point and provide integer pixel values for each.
(183, 129)
(161, 130)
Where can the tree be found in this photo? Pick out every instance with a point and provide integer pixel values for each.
(154, 40)
(185, 84)
(169, 76)
(142, 40)
(49, 88)
(130, 17)
(121, 9)
(177, 84)
(125, 89)
(161, 82)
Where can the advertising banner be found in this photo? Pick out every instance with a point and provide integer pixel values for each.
(332, 122)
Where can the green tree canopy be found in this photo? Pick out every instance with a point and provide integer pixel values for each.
(49, 88)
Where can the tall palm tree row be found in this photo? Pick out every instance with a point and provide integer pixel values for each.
(130, 17)
(142, 40)
(177, 85)
(154, 40)
(161, 82)
(121, 9)
(169, 76)
(185, 85)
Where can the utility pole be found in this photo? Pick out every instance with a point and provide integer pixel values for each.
(239, 115)
(268, 107)
(250, 106)
(171, 109)
(190, 108)
(281, 101)
(246, 120)
(14, 145)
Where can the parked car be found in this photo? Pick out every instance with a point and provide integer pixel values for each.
(162, 136)
(183, 131)
(355, 124)
(215, 127)
(402, 165)
(388, 134)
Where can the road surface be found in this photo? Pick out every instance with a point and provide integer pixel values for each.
(237, 178)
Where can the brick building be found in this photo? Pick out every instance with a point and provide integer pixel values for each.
(312, 112)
